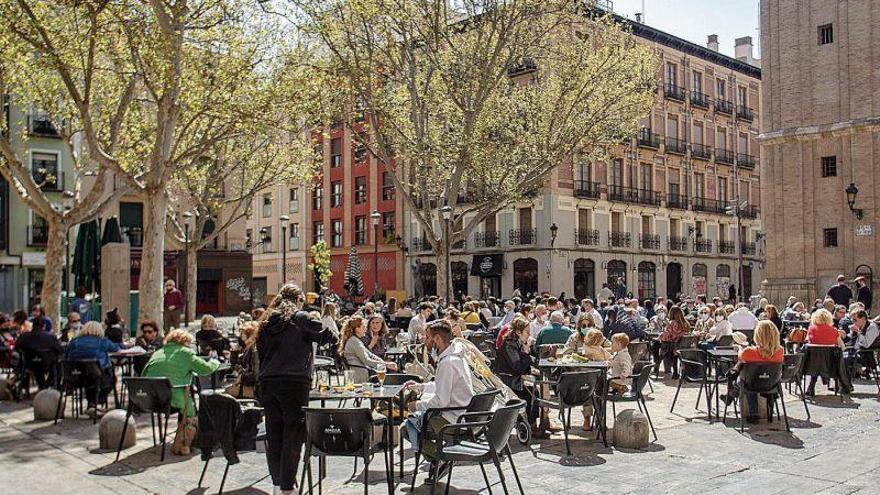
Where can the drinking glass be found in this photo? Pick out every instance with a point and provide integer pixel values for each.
(380, 374)
(349, 377)
(323, 380)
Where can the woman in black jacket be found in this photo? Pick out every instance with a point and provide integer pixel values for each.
(514, 362)
(284, 347)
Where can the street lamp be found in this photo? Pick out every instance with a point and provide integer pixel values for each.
(67, 201)
(446, 213)
(187, 218)
(554, 230)
(284, 221)
(851, 192)
(375, 217)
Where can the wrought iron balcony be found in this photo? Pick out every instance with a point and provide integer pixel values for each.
(723, 106)
(700, 151)
(750, 212)
(746, 161)
(649, 241)
(674, 92)
(749, 248)
(522, 237)
(726, 247)
(486, 239)
(699, 99)
(724, 156)
(676, 146)
(588, 237)
(586, 189)
(703, 245)
(677, 201)
(647, 139)
(677, 243)
(619, 239)
(709, 205)
(42, 126)
(633, 195)
(745, 113)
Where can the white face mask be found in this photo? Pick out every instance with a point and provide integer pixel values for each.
(661, 315)
(719, 318)
(704, 317)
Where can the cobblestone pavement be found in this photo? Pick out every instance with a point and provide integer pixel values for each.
(836, 452)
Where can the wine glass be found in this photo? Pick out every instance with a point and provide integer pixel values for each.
(380, 374)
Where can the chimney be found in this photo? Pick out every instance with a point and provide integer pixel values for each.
(743, 49)
(713, 42)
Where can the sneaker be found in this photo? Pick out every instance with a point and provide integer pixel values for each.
(92, 412)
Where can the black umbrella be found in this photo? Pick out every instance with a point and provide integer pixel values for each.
(86, 257)
(111, 231)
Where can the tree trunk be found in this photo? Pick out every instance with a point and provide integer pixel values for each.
(442, 280)
(51, 294)
(153, 258)
(190, 288)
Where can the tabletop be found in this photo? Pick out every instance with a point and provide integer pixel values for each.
(376, 393)
(394, 350)
(722, 352)
(546, 363)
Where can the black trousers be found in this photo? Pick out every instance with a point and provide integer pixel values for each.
(98, 390)
(283, 402)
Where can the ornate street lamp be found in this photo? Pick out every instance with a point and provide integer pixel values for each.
(375, 217)
(851, 192)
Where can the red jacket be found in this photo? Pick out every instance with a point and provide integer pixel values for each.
(173, 298)
(822, 335)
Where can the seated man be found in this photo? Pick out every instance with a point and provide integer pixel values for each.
(42, 349)
(864, 333)
(451, 386)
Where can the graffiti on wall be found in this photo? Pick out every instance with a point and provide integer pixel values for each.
(698, 285)
(240, 287)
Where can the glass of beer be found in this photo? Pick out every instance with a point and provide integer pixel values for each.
(380, 374)
(323, 380)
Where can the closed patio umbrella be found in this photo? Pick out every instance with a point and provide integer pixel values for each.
(86, 257)
(111, 231)
(354, 280)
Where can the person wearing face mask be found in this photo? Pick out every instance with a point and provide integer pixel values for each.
(703, 324)
(575, 343)
(451, 387)
(514, 362)
(720, 328)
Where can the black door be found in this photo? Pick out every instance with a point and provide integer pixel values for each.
(584, 278)
(673, 280)
(746, 290)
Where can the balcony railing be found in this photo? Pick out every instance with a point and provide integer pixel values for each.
(42, 126)
(678, 243)
(588, 237)
(420, 244)
(749, 248)
(620, 239)
(724, 156)
(746, 161)
(674, 92)
(521, 237)
(699, 99)
(726, 247)
(633, 195)
(486, 239)
(700, 151)
(647, 139)
(586, 189)
(750, 212)
(649, 241)
(675, 145)
(38, 235)
(723, 106)
(677, 201)
(703, 245)
(709, 205)
(745, 113)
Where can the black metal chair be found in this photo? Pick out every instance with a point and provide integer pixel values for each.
(695, 369)
(762, 379)
(495, 443)
(39, 365)
(221, 420)
(76, 377)
(724, 341)
(338, 433)
(479, 407)
(148, 395)
(635, 394)
(575, 389)
(640, 353)
(791, 371)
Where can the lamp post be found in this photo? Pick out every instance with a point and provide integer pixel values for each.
(67, 202)
(851, 192)
(187, 217)
(284, 221)
(375, 217)
(446, 213)
(554, 231)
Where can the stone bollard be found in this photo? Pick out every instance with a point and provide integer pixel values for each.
(46, 404)
(631, 430)
(111, 427)
(762, 407)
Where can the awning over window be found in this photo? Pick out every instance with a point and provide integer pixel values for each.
(487, 265)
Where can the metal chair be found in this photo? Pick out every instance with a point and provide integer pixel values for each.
(763, 379)
(791, 370)
(695, 370)
(575, 389)
(152, 395)
(76, 377)
(221, 416)
(635, 394)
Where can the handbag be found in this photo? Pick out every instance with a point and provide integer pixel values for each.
(797, 336)
(186, 430)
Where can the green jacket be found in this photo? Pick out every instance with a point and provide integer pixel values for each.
(179, 364)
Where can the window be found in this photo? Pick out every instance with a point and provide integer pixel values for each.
(617, 173)
(360, 190)
(267, 205)
(336, 240)
(722, 271)
(317, 197)
(293, 200)
(44, 167)
(336, 152)
(829, 237)
(647, 280)
(829, 166)
(742, 96)
(722, 189)
(388, 227)
(671, 74)
(720, 89)
(647, 177)
(39, 231)
(698, 133)
(721, 138)
(360, 230)
(584, 168)
(335, 194)
(826, 34)
(387, 187)
(294, 237)
(698, 82)
(698, 184)
(131, 222)
(266, 239)
(317, 232)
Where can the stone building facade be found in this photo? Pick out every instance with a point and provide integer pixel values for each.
(820, 133)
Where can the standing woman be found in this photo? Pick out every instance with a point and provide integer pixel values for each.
(284, 346)
(675, 329)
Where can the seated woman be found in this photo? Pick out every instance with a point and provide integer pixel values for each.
(514, 362)
(669, 338)
(115, 327)
(576, 342)
(377, 330)
(356, 354)
(248, 364)
(471, 315)
(720, 327)
(767, 350)
(177, 362)
(822, 332)
(91, 344)
(210, 339)
(621, 363)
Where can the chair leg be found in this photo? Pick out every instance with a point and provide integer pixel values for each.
(699, 396)
(366, 472)
(435, 472)
(448, 478)
(164, 433)
(565, 428)
(677, 390)
(204, 470)
(153, 427)
(122, 435)
(648, 415)
(309, 471)
(61, 406)
(485, 478)
(500, 473)
(513, 468)
(784, 412)
(223, 481)
(742, 413)
(412, 486)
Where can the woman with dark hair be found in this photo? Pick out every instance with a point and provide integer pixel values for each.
(114, 327)
(374, 339)
(514, 362)
(284, 346)
(675, 329)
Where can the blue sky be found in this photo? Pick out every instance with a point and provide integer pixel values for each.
(694, 20)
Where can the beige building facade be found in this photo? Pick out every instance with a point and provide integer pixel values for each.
(820, 134)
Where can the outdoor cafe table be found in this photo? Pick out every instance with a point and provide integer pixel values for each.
(715, 357)
(124, 360)
(397, 354)
(545, 365)
(386, 394)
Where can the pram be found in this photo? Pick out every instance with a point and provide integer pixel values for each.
(482, 379)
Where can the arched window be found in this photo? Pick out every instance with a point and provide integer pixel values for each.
(584, 278)
(428, 275)
(525, 275)
(459, 278)
(616, 270)
(722, 271)
(700, 270)
(647, 280)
